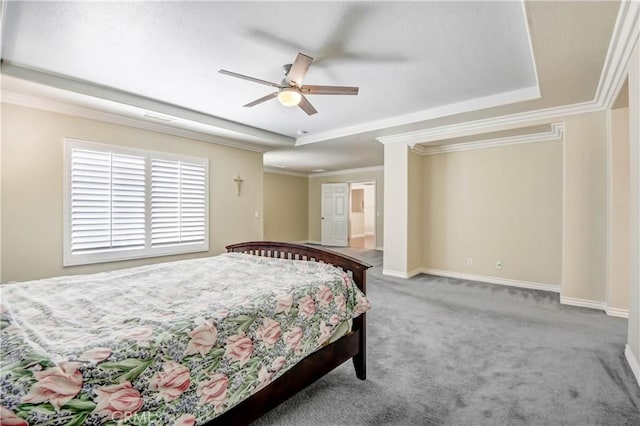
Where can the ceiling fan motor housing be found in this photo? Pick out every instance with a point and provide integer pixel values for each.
(290, 90)
(286, 68)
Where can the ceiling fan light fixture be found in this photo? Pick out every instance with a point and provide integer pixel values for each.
(290, 89)
(289, 97)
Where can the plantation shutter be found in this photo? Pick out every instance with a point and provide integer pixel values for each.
(128, 202)
(178, 202)
(192, 207)
(107, 201)
(123, 203)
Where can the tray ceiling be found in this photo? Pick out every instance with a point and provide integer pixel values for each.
(415, 62)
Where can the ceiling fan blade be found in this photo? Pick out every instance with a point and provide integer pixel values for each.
(306, 106)
(299, 69)
(329, 90)
(262, 99)
(246, 77)
(283, 44)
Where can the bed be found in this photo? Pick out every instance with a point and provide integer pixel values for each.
(217, 340)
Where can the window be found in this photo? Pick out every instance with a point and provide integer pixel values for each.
(125, 204)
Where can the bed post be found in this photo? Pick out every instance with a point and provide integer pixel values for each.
(360, 360)
(360, 325)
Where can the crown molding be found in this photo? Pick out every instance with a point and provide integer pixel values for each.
(284, 172)
(3, 13)
(556, 132)
(224, 128)
(485, 125)
(531, 52)
(498, 99)
(348, 171)
(495, 100)
(42, 103)
(625, 34)
(623, 39)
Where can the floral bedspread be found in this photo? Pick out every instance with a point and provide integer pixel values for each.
(167, 344)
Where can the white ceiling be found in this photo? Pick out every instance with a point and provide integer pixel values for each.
(413, 61)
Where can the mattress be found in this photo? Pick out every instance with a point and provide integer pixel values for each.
(171, 343)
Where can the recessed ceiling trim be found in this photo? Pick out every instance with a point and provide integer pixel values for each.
(531, 52)
(126, 98)
(556, 132)
(158, 117)
(348, 171)
(3, 13)
(485, 125)
(284, 172)
(625, 35)
(499, 99)
(22, 99)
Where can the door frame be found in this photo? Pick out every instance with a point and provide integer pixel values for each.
(375, 209)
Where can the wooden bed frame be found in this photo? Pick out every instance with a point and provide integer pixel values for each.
(317, 364)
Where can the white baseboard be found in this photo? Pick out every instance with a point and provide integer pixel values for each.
(493, 280)
(358, 236)
(594, 304)
(471, 277)
(414, 272)
(615, 312)
(314, 242)
(392, 273)
(571, 301)
(401, 274)
(369, 234)
(380, 248)
(633, 363)
(583, 303)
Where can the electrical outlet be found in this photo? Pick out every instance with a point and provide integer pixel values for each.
(469, 261)
(498, 264)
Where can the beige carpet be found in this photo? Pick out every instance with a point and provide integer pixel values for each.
(453, 352)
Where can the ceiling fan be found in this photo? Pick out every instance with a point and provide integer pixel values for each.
(291, 91)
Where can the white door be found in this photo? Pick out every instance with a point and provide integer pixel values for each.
(335, 216)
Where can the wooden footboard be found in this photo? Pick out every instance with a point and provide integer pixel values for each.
(355, 267)
(319, 363)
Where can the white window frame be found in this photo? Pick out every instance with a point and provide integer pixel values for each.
(70, 259)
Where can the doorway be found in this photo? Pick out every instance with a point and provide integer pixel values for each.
(362, 216)
(335, 214)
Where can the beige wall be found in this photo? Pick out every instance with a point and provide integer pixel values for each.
(315, 186)
(415, 214)
(286, 207)
(32, 173)
(539, 208)
(492, 204)
(585, 214)
(396, 229)
(619, 241)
